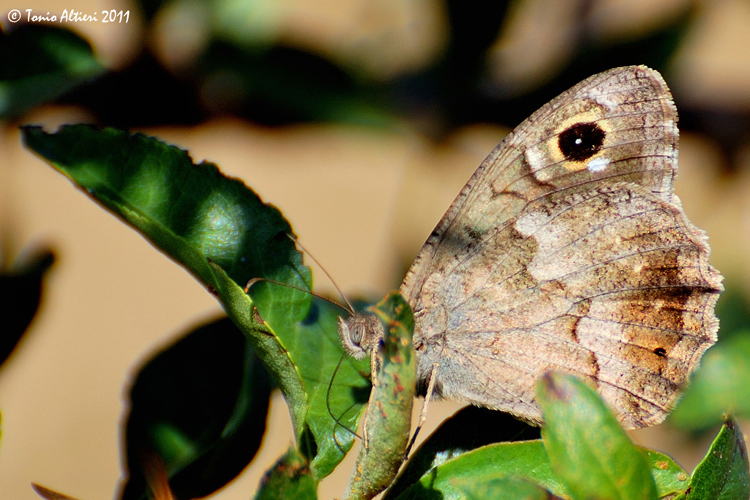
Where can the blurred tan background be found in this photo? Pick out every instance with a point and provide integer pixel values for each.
(362, 200)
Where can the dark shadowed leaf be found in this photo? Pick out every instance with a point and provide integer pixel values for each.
(39, 63)
(49, 494)
(21, 289)
(201, 405)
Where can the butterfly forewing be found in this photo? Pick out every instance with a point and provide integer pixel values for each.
(632, 105)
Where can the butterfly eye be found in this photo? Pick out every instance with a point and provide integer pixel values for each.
(581, 141)
(358, 331)
(351, 332)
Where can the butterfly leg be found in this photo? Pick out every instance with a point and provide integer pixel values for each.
(365, 438)
(423, 413)
(374, 366)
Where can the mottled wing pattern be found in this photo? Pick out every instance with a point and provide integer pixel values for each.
(568, 250)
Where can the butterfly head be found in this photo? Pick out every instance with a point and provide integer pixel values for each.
(360, 333)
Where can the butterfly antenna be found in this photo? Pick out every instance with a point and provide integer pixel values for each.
(330, 412)
(338, 365)
(303, 290)
(348, 308)
(312, 257)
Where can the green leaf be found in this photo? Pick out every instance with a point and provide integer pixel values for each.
(720, 386)
(588, 449)
(290, 478)
(196, 216)
(510, 488)
(525, 459)
(316, 350)
(388, 418)
(470, 428)
(222, 233)
(319, 350)
(723, 472)
(670, 478)
(200, 404)
(39, 63)
(465, 451)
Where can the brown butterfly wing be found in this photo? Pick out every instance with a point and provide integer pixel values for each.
(567, 250)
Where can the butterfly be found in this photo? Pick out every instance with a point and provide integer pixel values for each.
(567, 250)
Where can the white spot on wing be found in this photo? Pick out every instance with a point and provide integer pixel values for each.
(535, 159)
(598, 164)
(548, 235)
(608, 101)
